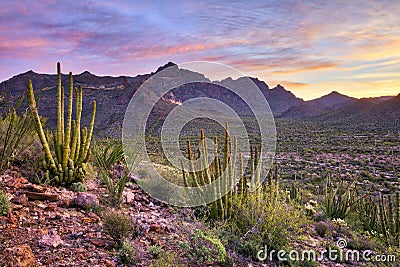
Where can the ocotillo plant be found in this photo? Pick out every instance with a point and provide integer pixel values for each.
(71, 143)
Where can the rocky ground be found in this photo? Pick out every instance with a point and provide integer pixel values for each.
(50, 226)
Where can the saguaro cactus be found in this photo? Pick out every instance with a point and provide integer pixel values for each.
(71, 143)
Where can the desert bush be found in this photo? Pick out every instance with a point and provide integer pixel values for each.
(203, 249)
(112, 170)
(273, 223)
(322, 229)
(4, 204)
(118, 226)
(337, 202)
(156, 252)
(15, 132)
(127, 253)
(168, 259)
(78, 187)
(250, 248)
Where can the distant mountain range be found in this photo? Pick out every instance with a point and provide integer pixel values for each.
(382, 112)
(114, 93)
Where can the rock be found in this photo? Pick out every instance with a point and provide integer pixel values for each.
(94, 216)
(50, 240)
(42, 231)
(66, 199)
(128, 197)
(13, 218)
(85, 200)
(109, 263)
(88, 220)
(34, 188)
(98, 242)
(20, 256)
(51, 207)
(41, 196)
(17, 182)
(20, 200)
(155, 227)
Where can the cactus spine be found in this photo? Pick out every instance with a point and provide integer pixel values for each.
(71, 145)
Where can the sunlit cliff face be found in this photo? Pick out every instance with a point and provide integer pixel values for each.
(311, 48)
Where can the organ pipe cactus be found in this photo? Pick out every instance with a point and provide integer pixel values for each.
(368, 213)
(68, 163)
(222, 172)
(389, 216)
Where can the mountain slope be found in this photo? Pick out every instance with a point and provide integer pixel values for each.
(332, 100)
(304, 110)
(114, 93)
(326, 103)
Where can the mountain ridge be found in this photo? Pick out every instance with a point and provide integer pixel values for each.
(114, 93)
(257, 81)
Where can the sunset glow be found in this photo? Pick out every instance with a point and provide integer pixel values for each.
(312, 48)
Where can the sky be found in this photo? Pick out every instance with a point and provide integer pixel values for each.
(310, 47)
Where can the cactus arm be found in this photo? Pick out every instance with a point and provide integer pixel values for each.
(192, 169)
(43, 140)
(86, 146)
(62, 112)
(225, 177)
(74, 140)
(233, 165)
(78, 122)
(184, 175)
(82, 146)
(67, 135)
(59, 114)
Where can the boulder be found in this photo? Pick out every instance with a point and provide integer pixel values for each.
(41, 196)
(86, 200)
(20, 256)
(128, 197)
(20, 200)
(50, 240)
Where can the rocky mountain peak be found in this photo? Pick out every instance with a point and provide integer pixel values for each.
(169, 64)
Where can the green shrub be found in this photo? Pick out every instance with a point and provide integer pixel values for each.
(118, 226)
(156, 252)
(127, 254)
(78, 187)
(322, 229)
(204, 249)
(337, 202)
(169, 259)
(250, 248)
(266, 221)
(15, 132)
(106, 158)
(4, 204)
